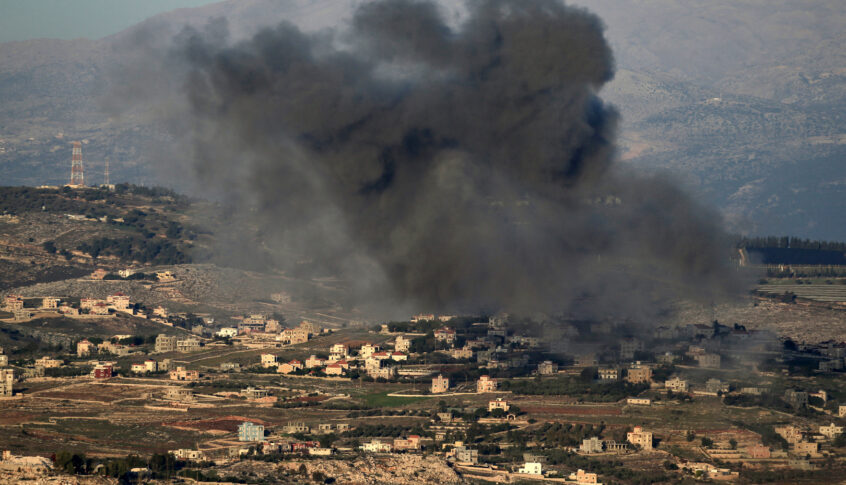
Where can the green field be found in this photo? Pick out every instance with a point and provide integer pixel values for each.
(383, 400)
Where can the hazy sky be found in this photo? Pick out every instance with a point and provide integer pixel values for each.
(70, 19)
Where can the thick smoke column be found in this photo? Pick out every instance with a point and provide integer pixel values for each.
(457, 168)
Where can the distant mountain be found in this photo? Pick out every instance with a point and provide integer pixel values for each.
(742, 101)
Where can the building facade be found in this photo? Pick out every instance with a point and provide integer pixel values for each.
(248, 431)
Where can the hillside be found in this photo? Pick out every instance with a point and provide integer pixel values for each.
(743, 102)
(52, 239)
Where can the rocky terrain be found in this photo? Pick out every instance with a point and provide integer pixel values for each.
(366, 470)
(807, 322)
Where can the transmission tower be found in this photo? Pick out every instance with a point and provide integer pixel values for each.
(106, 174)
(77, 177)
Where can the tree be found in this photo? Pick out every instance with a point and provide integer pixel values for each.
(733, 443)
(327, 440)
(49, 246)
(707, 442)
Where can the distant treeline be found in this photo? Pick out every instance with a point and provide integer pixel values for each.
(794, 251)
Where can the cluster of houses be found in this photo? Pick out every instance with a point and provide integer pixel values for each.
(117, 302)
(371, 358)
(803, 441)
(258, 328)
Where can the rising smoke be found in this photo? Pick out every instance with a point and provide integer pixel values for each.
(454, 168)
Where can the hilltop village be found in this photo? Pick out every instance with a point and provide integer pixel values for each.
(129, 354)
(436, 398)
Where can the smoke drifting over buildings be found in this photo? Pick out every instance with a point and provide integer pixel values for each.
(448, 168)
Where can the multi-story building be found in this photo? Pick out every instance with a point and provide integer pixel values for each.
(248, 431)
(790, 433)
(227, 332)
(464, 454)
(715, 386)
(841, 411)
(402, 344)
(7, 381)
(486, 384)
(498, 403)
(84, 347)
(639, 374)
(806, 448)
(269, 360)
(314, 361)
(165, 343)
(795, 398)
(592, 445)
(48, 303)
(710, 361)
(582, 477)
(4, 360)
(144, 367)
(14, 303)
(382, 372)
(445, 334)
(531, 468)
(628, 348)
(676, 384)
(310, 328)
(183, 374)
(377, 446)
(293, 336)
(272, 326)
(412, 442)
(189, 344)
(296, 427)
(640, 437)
(339, 351)
(367, 350)
(547, 368)
(440, 384)
(608, 374)
(462, 353)
(831, 431)
(118, 301)
(102, 371)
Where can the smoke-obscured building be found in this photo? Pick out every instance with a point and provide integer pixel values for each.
(7, 380)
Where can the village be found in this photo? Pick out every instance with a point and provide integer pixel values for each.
(491, 399)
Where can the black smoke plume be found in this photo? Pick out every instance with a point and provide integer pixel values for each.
(454, 168)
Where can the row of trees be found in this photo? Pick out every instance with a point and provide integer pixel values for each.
(155, 251)
(592, 391)
(787, 242)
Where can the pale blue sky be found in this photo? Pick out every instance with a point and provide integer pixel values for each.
(70, 19)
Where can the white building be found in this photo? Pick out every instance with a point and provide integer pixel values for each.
(531, 468)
